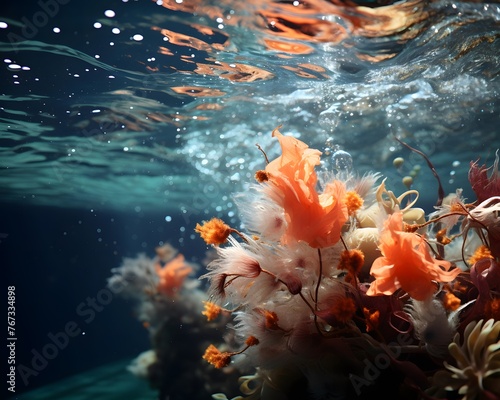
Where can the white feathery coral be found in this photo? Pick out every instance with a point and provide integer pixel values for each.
(432, 325)
(242, 270)
(261, 216)
(365, 186)
(445, 214)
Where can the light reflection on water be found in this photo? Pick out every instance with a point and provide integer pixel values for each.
(160, 105)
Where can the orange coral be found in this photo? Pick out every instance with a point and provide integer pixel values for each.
(353, 201)
(252, 341)
(221, 359)
(271, 319)
(442, 238)
(406, 263)
(172, 275)
(480, 253)
(211, 310)
(311, 217)
(214, 231)
(352, 261)
(343, 309)
(215, 357)
(450, 301)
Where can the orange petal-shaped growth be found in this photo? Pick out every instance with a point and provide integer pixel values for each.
(407, 263)
(172, 275)
(297, 160)
(311, 217)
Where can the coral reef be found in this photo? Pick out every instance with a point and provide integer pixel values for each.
(332, 287)
(340, 289)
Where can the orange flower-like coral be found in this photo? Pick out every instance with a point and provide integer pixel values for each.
(217, 358)
(480, 253)
(220, 359)
(172, 275)
(352, 261)
(214, 231)
(211, 310)
(316, 219)
(353, 202)
(343, 309)
(407, 263)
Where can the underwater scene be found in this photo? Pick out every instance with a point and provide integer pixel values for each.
(265, 199)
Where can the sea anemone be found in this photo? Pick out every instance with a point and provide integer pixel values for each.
(476, 373)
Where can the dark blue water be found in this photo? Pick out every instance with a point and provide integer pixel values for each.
(59, 261)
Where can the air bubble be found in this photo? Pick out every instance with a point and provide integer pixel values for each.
(342, 164)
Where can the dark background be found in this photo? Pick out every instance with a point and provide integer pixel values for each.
(57, 259)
